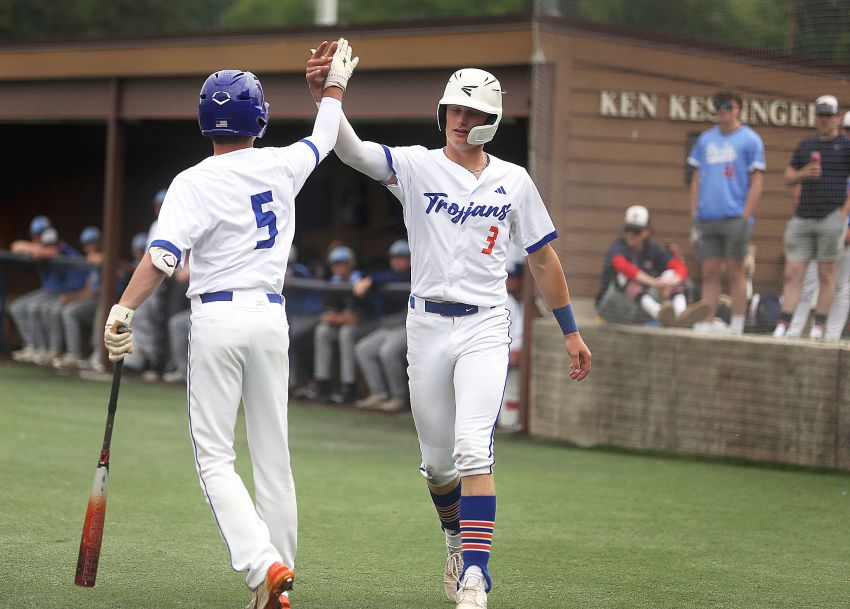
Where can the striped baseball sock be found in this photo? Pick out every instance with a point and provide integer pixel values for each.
(477, 518)
(448, 508)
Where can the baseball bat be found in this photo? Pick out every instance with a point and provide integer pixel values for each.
(89, 555)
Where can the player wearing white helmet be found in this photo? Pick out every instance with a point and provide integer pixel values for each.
(235, 211)
(461, 207)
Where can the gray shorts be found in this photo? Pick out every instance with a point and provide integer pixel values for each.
(727, 238)
(815, 238)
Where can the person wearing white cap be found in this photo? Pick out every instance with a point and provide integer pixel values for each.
(641, 280)
(836, 319)
(820, 168)
(382, 354)
(728, 162)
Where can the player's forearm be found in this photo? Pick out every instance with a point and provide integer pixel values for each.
(548, 273)
(366, 157)
(142, 284)
(326, 127)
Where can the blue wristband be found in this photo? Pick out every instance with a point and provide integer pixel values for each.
(566, 319)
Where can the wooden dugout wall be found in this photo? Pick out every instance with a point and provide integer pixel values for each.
(603, 164)
(589, 167)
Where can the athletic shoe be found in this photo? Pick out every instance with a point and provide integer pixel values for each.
(43, 358)
(345, 395)
(471, 594)
(66, 360)
(24, 355)
(693, 314)
(454, 566)
(373, 401)
(666, 314)
(270, 594)
(781, 330)
(310, 392)
(703, 327)
(393, 405)
(175, 376)
(816, 332)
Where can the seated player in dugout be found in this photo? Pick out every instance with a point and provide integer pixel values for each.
(643, 281)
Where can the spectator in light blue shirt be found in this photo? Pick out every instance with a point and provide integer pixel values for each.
(728, 163)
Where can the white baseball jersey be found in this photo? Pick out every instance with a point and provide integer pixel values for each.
(459, 227)
(236, 212)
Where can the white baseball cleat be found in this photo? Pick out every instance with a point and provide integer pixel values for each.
(780, 330)
(454, 567)
(471, 594)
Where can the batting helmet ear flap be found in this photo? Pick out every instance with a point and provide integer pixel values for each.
(441, 117)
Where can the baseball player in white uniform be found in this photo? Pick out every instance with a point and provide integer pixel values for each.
(461, 207)
(235, 211)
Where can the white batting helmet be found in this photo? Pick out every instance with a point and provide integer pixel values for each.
(476, 89)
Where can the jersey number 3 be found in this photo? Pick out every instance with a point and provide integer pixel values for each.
(264, 218)
(491, 240)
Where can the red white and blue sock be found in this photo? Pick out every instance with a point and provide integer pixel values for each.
(448, 509)
(477, 519)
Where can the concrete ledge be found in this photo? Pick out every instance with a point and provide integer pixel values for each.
(750, 397)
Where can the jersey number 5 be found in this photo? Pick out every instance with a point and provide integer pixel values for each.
(264, 218)
(491, 240)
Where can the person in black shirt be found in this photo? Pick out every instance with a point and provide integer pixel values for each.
(821, 165)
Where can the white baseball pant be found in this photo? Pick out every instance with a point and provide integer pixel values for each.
(457, 368)
(238, 350)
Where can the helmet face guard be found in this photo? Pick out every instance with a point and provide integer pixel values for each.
(232, 104)
(476, 89)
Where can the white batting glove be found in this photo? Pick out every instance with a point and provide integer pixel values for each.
(117, 335)
(342, 66)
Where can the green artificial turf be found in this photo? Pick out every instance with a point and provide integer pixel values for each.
(575, 528)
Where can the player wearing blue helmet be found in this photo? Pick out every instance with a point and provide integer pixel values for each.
(235, 212)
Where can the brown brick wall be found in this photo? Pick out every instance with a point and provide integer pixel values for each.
(751, 398)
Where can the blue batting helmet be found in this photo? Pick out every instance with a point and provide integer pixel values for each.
(232, 104)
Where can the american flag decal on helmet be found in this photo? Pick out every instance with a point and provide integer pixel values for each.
(221, 123)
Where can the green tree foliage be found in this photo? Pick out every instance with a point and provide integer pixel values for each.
(81, 19)
(35, 20)
(823, 29)
(807, 28)
(283, 13)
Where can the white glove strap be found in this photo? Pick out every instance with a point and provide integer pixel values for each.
(121, 314)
